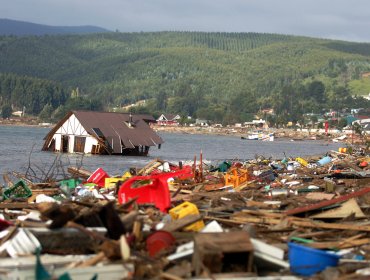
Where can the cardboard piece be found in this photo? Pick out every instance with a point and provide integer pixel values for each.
(347, 208)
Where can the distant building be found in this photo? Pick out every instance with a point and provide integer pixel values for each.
(256, 124)
(268, 111)
(102, 133)
(364, 123)
(201, 122)
(217, 125)
(168, 119)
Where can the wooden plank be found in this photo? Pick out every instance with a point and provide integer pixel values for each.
(7, 180)
(261, 205)
(327, 203)
(80, 172)
(338, 244)
(262, 213)
(296, 222)
(244, 185)
(225, 221)
(346, 209)
(351, 165)
(320, 196)
(149, 167)
(312, 224)
(23, 177)
(18, 205)
(181, 223)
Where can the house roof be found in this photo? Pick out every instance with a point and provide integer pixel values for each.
(115, 128)
(169, 117)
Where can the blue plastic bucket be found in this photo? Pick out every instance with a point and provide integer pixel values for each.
(308, 261)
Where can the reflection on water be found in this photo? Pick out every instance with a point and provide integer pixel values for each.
(20, 148)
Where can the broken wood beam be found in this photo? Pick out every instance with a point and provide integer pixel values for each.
(18, 205)
(7, 180)
(298, 223)
(182, 223)
(339, 244)
(67, 241)
(79, 172)
(327, 202)
(23, 177)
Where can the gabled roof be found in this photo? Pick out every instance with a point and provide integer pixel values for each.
(116, 129)
(169, 117)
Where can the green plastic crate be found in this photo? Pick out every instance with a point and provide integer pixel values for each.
(70, 183)
(19, 190)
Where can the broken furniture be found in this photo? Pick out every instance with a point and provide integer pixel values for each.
(222, 252)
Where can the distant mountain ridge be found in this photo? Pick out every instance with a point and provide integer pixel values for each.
(218, 76)
(23, 28)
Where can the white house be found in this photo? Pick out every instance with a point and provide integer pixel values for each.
(168, 119)
(102, 133)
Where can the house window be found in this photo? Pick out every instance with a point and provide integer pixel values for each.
(79, 146)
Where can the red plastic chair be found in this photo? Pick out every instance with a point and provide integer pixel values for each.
(156, 191)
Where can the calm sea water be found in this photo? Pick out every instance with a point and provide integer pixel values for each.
(20, 150)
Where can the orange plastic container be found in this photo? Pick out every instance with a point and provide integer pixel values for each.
(184, 209)
(236, 176)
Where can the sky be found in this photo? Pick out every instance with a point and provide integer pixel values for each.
(332, 19)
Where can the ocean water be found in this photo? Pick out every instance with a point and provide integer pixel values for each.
(20, 150)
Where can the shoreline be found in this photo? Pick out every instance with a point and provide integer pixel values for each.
(283, 133)
(279, 133)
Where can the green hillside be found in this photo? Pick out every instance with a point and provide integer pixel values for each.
(220, 76)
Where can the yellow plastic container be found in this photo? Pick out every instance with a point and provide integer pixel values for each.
(111, 182)
(342, 150)
(302, 161)
(184, 209)
(126, 175)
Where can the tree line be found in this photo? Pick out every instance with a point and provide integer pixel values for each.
(223, 77)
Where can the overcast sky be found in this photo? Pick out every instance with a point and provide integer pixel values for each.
(334, 19)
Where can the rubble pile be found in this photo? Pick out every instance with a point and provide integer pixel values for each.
(281, 219)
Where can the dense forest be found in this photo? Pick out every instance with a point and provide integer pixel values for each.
(222, 77)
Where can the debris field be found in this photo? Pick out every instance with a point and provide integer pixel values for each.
(293, 218)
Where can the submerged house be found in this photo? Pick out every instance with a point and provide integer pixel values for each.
(102, 133)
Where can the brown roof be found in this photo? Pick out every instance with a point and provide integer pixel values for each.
(115, 128)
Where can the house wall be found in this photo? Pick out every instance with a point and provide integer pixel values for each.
(72, 128)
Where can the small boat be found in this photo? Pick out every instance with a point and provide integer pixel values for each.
(258, 135)
(339, 139)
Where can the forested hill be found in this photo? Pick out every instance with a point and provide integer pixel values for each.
(218, 76)
(22, 28)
